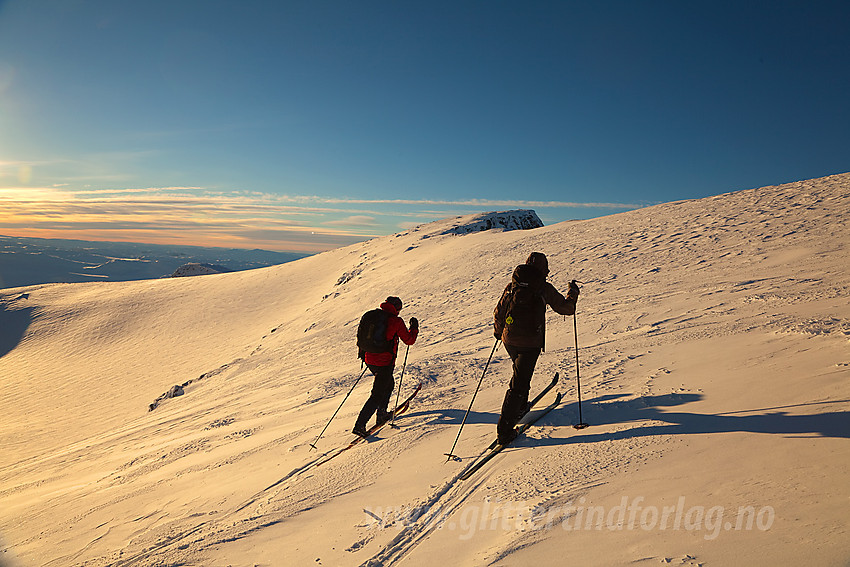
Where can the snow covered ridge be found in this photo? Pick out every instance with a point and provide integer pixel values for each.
(519, 219)
(196, 269)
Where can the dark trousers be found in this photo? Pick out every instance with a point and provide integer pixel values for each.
(516, 398)
(382, 389)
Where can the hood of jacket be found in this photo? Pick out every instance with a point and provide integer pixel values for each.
(389, 307)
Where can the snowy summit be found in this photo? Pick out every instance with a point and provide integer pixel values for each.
(505, 220)
(713, 361)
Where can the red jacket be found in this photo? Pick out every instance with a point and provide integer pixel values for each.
(395, 329)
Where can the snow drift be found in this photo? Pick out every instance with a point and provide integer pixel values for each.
(714, 368)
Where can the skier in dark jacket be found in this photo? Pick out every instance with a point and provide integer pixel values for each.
(519, 320)
(382, 365)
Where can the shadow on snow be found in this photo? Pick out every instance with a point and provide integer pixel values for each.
(606, 410)
(13, 325)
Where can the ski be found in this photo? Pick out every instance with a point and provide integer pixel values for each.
(497, 447)
(403, 407)
(530, 406)
(533, 403)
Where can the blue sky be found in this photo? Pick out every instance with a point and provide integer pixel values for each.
(310, 125)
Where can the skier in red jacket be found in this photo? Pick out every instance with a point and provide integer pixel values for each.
(382, 365)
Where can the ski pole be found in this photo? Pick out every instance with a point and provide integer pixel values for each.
(450, 454)
(313, 444)
(400, 379)
(580, 424)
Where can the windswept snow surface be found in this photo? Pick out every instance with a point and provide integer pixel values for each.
(714, 366)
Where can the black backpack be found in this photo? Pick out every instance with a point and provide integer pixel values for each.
(526, 304)
(372, 333)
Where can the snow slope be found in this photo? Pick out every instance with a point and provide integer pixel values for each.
(714, 367)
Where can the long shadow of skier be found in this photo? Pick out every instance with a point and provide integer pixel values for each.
(455, 416)
(13, 325)
(603, 411)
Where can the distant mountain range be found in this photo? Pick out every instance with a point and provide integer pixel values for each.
(30, 261)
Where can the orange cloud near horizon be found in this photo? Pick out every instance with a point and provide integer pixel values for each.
(171, 217)
(236, 219)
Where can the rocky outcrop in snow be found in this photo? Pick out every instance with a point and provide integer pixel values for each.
(195, 269)
(520, 219)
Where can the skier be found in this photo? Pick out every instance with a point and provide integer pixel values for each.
(382, 364)
(519, 320)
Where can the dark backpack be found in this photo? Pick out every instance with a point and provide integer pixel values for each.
(526, 304)
(372, 333)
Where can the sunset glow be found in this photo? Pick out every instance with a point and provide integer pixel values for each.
(191, 216)
(310, 126)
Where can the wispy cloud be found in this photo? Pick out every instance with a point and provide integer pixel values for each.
(482, 203)
(188, 215)
(355, 220)
(241, 219)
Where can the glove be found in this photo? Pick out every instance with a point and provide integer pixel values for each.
(574, 291)
(414, 324)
